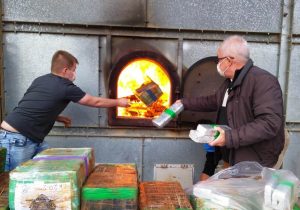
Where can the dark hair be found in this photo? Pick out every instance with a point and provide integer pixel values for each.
(62, 59)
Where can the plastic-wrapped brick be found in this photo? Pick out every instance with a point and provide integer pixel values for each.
(44, 184)
(4, 180)
(85, 154)
(163, 195)
(111, 186)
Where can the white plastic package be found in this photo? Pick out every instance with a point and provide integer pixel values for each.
(281, 189)
(206, 133)
(237, 187)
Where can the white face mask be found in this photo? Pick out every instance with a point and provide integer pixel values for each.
(222, 73)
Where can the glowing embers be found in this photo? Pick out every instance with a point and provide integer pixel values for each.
(132, 77)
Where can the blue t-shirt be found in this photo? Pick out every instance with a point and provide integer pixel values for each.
(45, 99)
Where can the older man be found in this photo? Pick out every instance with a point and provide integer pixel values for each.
(250, 102)
(24, 129)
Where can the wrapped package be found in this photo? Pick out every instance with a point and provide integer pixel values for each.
(44, 184)
(206, 133)
(4, 180)
(168, 115)
(163, 195)
(238, 187)
(111, 186)
(148, 92)
(232, 193)
(2, 159)
(85, 154)
(281, 189)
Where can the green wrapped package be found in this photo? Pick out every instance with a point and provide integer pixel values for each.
(85, 154)
(4, 180)
(43, 184)
(2, 159)
(111, 186)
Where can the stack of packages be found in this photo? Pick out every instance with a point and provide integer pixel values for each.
(84, 154)
(163, 195)
(111, 186)
(4, 180)
(50, 183)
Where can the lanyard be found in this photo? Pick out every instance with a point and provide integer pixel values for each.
(225, 98)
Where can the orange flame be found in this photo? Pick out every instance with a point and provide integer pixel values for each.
(132, 77)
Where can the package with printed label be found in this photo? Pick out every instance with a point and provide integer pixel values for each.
(85, 154)
(168, 115)
(43, 184)
(206, 133)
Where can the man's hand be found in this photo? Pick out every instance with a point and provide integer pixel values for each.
(178, 101)
(123, 102)
(65, 120)
(203, 177)
(220, 141)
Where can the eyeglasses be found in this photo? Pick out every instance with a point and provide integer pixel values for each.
(220, 59)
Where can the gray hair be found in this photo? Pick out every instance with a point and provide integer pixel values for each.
(237, 47)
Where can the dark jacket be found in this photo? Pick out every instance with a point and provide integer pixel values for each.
(254, 112)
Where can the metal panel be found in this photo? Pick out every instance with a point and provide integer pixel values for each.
(296, 18)
(291, 159)
(172, 152)
(293, 97)
(107, 150)
(182, 173)
(167, 47)
(231, 15)
(197, 50)
(27, 56)
(103, 80)
(264, 55)
(89, 12)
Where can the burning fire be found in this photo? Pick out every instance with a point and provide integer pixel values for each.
(133, 76)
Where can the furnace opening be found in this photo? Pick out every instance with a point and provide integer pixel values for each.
(151, 83)
(139, 73)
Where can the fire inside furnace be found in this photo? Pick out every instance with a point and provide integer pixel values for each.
(134, 80)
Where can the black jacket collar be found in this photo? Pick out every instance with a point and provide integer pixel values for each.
(238, 81)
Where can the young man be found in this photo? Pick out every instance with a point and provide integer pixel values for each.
(24, 129)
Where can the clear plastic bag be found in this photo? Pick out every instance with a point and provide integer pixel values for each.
(281, 189)
(227, 190)
(245, 169)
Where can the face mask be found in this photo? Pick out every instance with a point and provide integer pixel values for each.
(222, 73)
